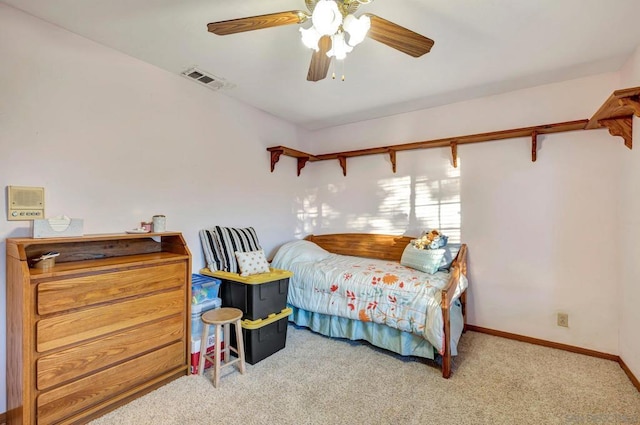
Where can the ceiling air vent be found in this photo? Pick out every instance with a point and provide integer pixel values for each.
(206, 79)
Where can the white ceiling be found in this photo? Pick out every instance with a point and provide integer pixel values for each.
(481, 47)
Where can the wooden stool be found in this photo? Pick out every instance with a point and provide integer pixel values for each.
(221, 317)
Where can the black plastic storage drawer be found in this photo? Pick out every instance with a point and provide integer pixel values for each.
(258, 295)
(263, 337)
(256, 300)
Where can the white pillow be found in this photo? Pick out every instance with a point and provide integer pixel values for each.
(252, 262)
(425, 260)
(298, 251)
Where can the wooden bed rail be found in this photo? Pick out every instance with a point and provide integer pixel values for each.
(389, 247)
(458, 267)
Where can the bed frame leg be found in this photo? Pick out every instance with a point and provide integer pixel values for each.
(446, 367)
(446, 355)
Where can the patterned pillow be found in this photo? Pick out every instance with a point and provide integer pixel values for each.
(252, 262)
(425, 260)
(220, 243)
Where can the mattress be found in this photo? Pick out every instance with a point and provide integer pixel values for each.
(367, 291)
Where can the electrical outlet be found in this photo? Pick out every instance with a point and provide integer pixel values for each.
(563, 320)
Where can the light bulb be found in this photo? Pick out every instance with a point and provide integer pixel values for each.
(339, 48)
(357, 28)
(326, 17)
(310, 38)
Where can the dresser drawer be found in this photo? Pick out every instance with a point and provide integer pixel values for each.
(77, 292)
(69, 399)
(57, 368)
(77, 326)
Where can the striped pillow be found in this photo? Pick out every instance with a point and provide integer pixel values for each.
(210, 249)
(220, 244)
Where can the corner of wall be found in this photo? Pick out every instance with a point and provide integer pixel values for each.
(630, 71)
(629, 316)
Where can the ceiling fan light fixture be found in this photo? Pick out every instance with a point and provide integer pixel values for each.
(357, 28)
(326, 17)
(334, 31)
(339, 47)
(310, 38)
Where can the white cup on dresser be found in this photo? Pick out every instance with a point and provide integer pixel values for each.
(159, 223)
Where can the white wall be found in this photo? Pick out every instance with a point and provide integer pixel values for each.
(114, 141)
(630, 234)
(541, 236)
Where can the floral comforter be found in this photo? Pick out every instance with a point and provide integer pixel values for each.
(379, 291)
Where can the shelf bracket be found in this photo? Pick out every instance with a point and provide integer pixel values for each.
(343, 164)
(275, 157)
(302, 161)
(392, 157)
(632, 103)
(622, 127)
(534, 146)
(454, 154)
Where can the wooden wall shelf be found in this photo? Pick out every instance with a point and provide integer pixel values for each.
(615, 114)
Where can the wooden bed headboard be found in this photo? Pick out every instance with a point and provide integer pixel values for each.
(383, 247)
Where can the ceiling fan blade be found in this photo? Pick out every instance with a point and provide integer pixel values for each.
(320, 61)
(397, 37)
(251, 23)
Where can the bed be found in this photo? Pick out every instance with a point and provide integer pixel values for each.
(353, 286)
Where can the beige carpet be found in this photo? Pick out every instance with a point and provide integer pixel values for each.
(318, 380)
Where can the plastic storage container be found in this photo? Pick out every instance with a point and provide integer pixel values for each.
(258, 295)
(204, 288)
(204, 297)
(196, 348)
(197, 310)
(263, 337)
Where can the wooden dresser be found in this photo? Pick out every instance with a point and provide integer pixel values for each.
(108, 323)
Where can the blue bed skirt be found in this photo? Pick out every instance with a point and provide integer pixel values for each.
(403, 343)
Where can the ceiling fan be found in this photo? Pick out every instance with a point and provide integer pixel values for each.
(334, 33)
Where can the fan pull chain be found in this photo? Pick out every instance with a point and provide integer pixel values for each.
(333, 76)
(333, 69)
